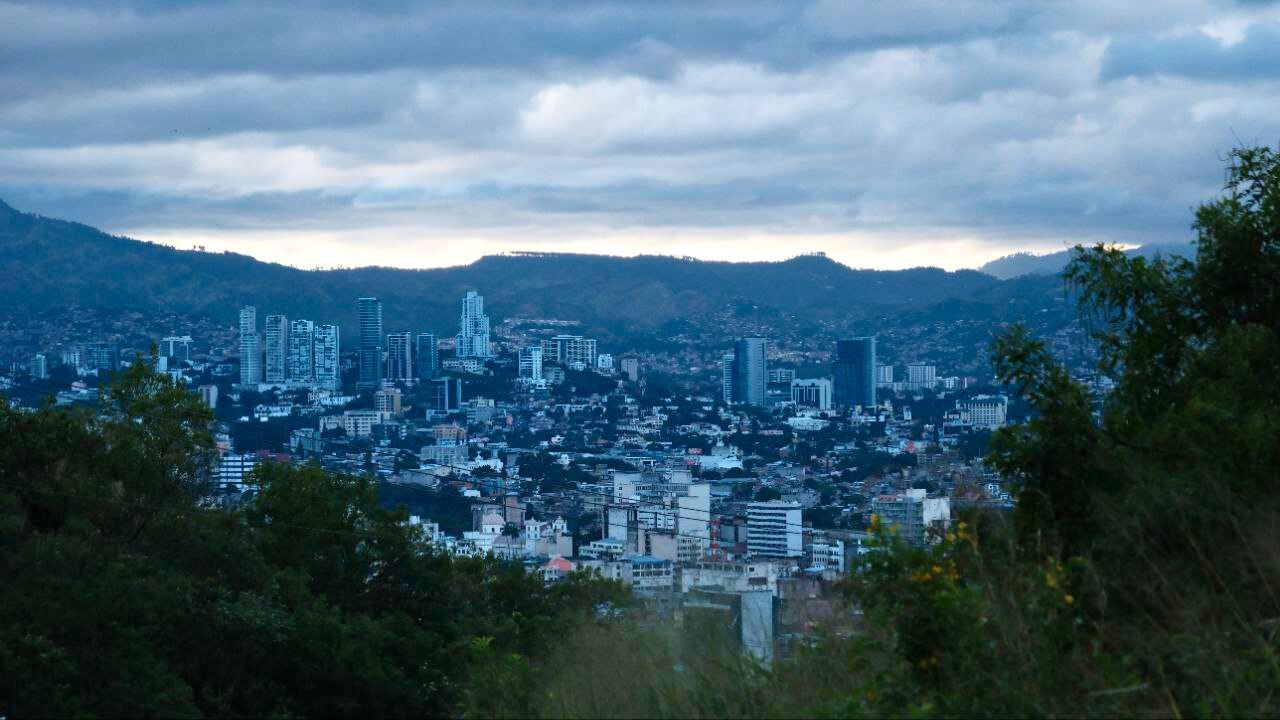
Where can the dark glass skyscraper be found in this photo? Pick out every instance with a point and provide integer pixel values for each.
(749, 371)
(855, 372)
(371, 338)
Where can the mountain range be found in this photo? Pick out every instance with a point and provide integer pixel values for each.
(49, 263)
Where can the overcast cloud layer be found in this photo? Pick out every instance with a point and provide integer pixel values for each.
(887, 134)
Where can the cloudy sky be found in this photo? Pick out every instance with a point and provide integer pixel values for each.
(887, 134)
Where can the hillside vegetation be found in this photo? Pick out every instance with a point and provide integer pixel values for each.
(53, 263)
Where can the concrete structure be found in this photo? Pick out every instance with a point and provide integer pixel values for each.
(473, 328)
(387, 401)
(327, 349)
(774, 529)
(39, 366)
(250, 349)
(359, 423)
(530, 363)
(276, 330)
(302, 352)
(176, 347)
(233, 470)
(985, 411)
(630, 367)
(815, 393)
(912, 513)
(570, 350)
(727, 379)
(209, 396)
(921, 375)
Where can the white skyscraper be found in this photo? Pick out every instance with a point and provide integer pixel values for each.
(531, 362)
(328, 372)
(473, 331)
(250, 349)
(302, 364)
(276, 329)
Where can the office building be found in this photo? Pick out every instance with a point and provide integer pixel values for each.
(630, 367)
(302, 351)
(446, 395)
(234, 471)
(570, 350)
(854, 369)
(209, 396)
(913, 513)
(400, 357)
(276, 331)
(530, 359)
(40, 366)
(884, 375)
(370, 314)
(427, 356)
(749, 371)
(100, 357)
(727, 379)
(176, 347)
(473, 328)
(388, 401)
(328, 369)
(920, 375)
(815, 393)
(774, 529)
(250, 349)
(782, 376)
(984, 411)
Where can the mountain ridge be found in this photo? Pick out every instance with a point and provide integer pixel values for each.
(56, 263)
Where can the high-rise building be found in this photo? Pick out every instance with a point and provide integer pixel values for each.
(921, 375)
(728, 379)
(446, 395)
(631, 368)
(884, 375)
(812, 393)
(209, 396)
(328, 369)
(276, 330)
(40, 367)
(774, 529)
(854, 369)
(177, 347)
(302, 351)
(749, 371)
(250, 349)
(427, 355)
(370, 312)
(387, 400)
(570, 350)
(530, 360)
(473, 330)
(99, 356)
(400, 357)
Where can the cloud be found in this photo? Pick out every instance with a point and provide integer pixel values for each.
(879, 132)
(1197, 55)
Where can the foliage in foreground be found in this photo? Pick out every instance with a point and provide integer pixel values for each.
(121, 597)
